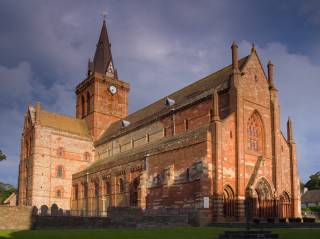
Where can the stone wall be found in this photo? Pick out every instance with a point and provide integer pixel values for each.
(17, 218)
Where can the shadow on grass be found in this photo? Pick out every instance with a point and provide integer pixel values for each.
(120, 233)
(154, 233)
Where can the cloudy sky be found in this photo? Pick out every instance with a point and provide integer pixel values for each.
(158, 46)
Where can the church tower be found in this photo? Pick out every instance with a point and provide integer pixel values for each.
(102, 98)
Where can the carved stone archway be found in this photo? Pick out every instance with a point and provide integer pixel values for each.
(228, 202)
(134, 185)
(284, 205)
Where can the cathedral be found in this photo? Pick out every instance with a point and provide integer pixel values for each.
(214, 146)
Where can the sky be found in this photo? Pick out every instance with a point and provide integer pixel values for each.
(158, 46)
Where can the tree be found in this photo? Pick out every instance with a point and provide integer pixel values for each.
(314, 182)
(2, 156)
(5, 191)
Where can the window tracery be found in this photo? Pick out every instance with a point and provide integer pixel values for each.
(255, 133)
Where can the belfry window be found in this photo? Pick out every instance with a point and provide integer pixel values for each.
(87, 156)
(59, 192)
(88, 102)
(82, 106)
(60, 171)
(255, 133)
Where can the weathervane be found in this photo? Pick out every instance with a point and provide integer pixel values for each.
(104, 14)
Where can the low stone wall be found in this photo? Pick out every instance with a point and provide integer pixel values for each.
(17, 218)
(54, 222)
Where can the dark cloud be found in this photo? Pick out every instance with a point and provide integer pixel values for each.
(158, 47)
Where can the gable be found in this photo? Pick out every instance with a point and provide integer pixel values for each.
(254, 82)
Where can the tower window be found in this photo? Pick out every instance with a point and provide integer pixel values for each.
(82, 106)
(59, 193)
(87, 156)
(59, 171)
(60, 152)
(88, 102)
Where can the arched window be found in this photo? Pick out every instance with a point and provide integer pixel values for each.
(59, 192)
(255, 133)
(228, 202)
(82, 106)
(76, 192)
(88, 102)
(59, 171)
(121, 185)
(87, 156)
(60, 152)
(188, 174)
(108, 187)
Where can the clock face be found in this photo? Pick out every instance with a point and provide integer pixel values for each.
(112, 89)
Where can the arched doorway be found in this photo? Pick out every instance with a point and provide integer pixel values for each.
(284, 205)
(264, 202)
(134, 192)
(228, 202)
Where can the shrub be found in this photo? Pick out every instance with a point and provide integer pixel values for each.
(270, 220)
(295, 219)
(283, 220)
(309, 219)
(256, 220)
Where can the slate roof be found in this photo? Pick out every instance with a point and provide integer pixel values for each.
(64, 123)
(103, 55)
(164, 144)
(181, 97)
(312, 196)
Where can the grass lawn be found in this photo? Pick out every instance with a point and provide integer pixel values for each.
(163, 233)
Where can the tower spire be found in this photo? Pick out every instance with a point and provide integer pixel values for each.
(102, 61)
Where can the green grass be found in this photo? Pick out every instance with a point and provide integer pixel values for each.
(163, 233)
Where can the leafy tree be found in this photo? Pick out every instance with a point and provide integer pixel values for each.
(5, 191)
(2, 156)
(314, 182)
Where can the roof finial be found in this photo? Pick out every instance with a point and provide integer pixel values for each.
(289, 130)
(104, 15)
(253, 47)
(235, 65)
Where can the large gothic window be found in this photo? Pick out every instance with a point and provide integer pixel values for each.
(255, 133)
(88, 102)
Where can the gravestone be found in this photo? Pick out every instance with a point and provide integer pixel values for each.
(44, 210)
(54, 210)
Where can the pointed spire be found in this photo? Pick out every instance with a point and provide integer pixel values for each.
(289, 130)
(235, 64)
(270, 75)
(102, 62)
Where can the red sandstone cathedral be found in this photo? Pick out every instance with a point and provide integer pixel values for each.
(211, 146)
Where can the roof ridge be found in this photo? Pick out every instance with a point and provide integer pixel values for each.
(176, 95)
(62, 115)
